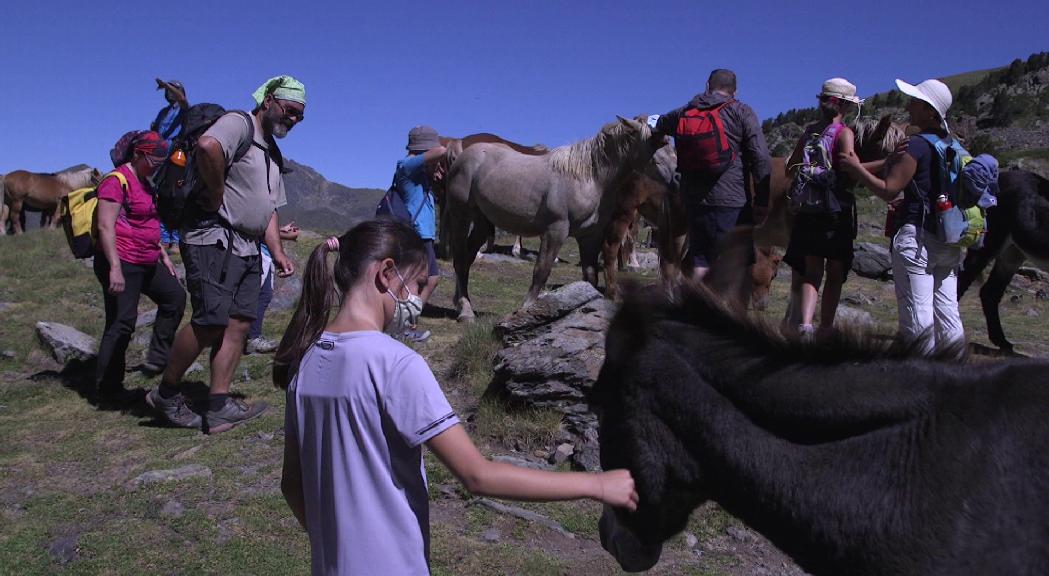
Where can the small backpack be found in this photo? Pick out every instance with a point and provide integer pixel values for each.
(78, 216)
(812, 190)
(970, 188)
(392, 206)
(701, 143)
(177, 185)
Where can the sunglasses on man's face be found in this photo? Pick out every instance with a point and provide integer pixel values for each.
(290, 112)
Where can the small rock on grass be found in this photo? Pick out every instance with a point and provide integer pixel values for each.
(64, 550)
(491, 535)
(154, 476)
(173, 509)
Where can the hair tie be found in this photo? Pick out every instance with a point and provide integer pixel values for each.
(332, 244)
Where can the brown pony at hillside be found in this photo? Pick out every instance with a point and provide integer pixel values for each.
(42, 192)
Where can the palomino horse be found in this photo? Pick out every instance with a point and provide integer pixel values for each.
(453, 148)
(568, 192)
(1017, 230)
(854, 456)
(42, 192)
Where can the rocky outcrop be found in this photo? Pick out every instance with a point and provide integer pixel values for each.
(553, 352)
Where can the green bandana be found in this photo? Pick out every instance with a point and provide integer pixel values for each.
(282, 88)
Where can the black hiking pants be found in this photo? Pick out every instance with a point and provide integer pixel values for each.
(122, 312)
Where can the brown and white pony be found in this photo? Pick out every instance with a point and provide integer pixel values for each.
(42, 192)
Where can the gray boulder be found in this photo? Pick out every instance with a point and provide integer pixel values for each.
(872, 261)
(286, 291)
(553, 352)
(65, 342)
(850, 316)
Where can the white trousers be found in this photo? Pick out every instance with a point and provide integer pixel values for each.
(926, 276)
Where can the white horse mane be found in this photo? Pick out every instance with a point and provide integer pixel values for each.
(77, 179)
(591, 159)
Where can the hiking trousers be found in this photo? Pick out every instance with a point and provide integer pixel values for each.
(161, 287)
(926, 274)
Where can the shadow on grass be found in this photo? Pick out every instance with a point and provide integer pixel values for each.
(78, 376)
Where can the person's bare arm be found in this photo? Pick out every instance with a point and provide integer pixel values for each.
(901, 172)
(484, 477)
(434, 154)
(291, 478)
(211, 165)
(285, 265)
(106, 219)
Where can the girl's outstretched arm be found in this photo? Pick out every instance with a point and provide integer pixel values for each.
(484, 477)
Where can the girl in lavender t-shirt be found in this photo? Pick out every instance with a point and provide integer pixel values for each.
(361, 405)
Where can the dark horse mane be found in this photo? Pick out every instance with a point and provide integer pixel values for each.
(855, 455)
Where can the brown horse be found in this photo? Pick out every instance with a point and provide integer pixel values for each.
(42, 192)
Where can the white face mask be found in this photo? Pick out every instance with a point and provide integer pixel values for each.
(406, 311)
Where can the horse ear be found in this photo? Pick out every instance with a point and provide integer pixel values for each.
(632, 124)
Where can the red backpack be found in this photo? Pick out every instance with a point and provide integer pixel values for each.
(701, 143)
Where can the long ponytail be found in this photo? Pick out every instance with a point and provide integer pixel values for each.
(311, 316)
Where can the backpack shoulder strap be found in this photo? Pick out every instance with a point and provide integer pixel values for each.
(244, 147)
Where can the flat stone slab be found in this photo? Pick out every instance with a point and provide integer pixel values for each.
(65, 342)
(175, 474)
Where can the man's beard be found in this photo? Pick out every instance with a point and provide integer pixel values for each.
(280, 130)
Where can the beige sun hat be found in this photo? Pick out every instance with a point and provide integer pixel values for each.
(841, 88)
(934, 93)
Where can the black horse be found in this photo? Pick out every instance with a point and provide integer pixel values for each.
(1017, 230)
(854, 455)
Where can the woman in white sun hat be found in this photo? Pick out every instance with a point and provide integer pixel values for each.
(821, 242)
(925, 269)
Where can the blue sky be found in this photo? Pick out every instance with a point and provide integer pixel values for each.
(76, 75)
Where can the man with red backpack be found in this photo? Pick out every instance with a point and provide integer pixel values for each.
(719, 144)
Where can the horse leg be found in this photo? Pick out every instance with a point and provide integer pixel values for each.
(17, 216)
(4, 213)
(549, 246)
(589, 247)
(53, 216)
(1005, 266)
(518, 248)
(610, 251)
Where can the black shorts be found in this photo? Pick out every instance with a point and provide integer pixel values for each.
(216, 299)
(828, 236)
(431, 258)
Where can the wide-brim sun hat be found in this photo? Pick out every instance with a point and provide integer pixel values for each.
(932, 92)
(422, 138)
(841, 88)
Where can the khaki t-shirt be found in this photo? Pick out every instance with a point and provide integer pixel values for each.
(254, 188)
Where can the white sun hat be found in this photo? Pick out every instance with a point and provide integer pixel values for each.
(934, 93)
(841, 88)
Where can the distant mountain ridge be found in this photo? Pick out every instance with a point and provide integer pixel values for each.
(319, 204)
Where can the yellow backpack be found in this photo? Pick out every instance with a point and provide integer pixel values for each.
(77, 214)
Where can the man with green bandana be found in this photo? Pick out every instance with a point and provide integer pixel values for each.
(220, 248)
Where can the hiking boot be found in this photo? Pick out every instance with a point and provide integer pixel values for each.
(233, 413)
(259, 345)
(174, 409)
(415, 335)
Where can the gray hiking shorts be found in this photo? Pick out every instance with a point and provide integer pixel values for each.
(221, 288)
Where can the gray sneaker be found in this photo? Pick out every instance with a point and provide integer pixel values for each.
(259, 345)
(174, 409)
(233, 413)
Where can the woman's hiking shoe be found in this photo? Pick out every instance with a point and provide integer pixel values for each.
(259, 345)
(174, 409)
(415, 335)
(234, 412)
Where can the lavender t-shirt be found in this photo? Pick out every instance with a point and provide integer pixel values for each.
(361, 406)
